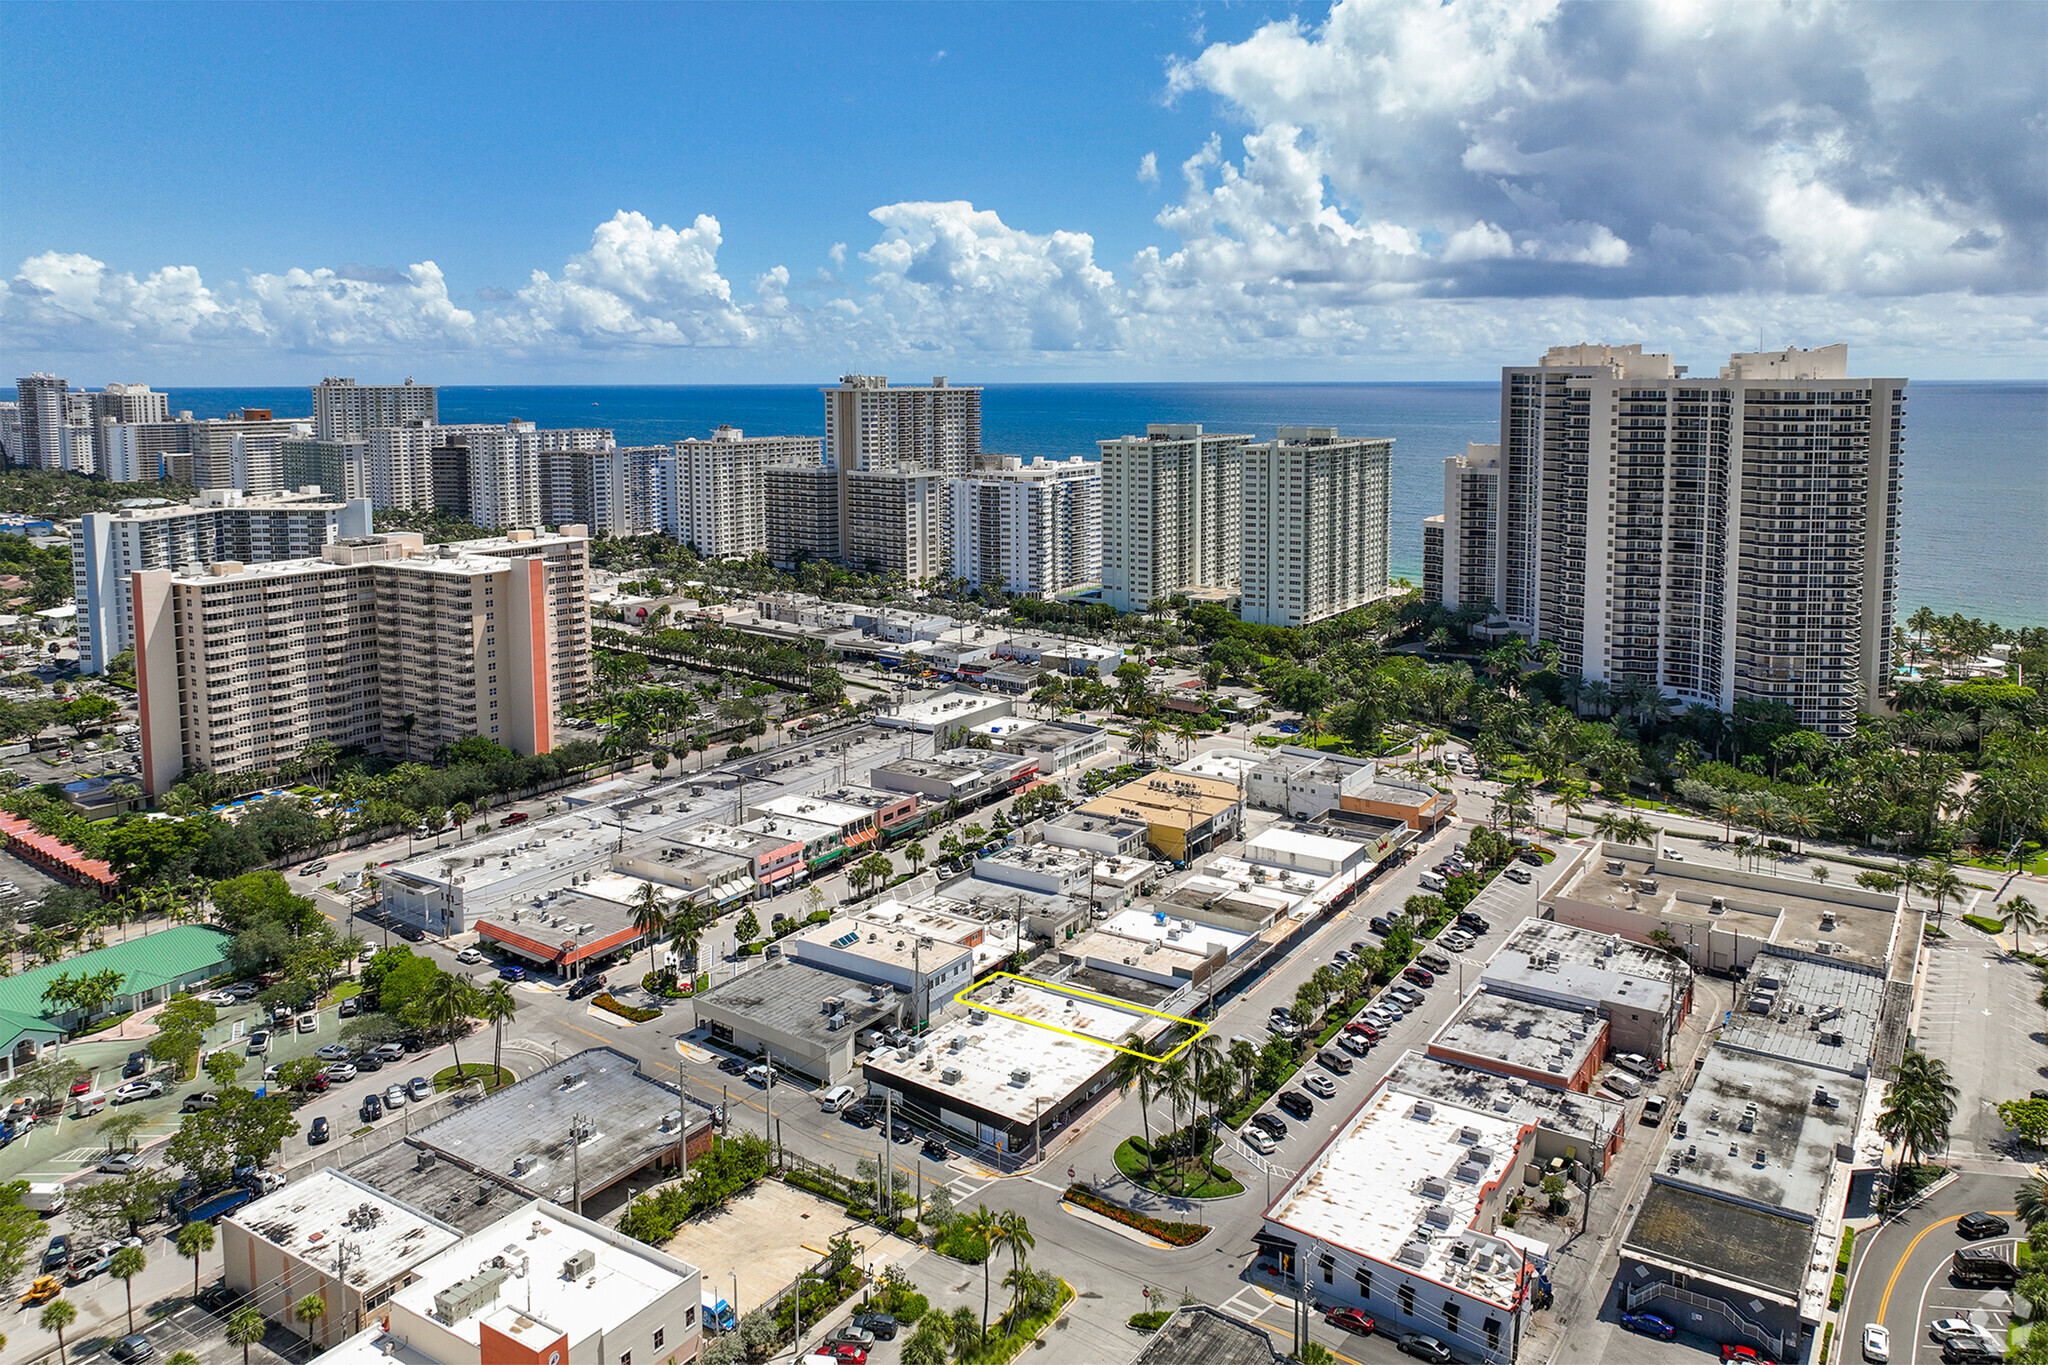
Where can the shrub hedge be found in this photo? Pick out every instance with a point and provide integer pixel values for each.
(1173, 1234)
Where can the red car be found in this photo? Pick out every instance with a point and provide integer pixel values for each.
(81, 1085)
(517, 817)
(1421, 976)
(1370, 1032)
(1737, 1352)
(1351, 1320)
(846, 1350)
(315, 1084)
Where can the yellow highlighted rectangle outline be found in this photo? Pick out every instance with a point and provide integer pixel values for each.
(960, 998)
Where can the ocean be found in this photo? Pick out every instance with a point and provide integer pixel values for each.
(1975, 538)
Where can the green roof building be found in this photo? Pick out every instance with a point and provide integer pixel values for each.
(153, 968)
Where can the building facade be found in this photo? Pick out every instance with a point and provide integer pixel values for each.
(381, 643)
(1316, 525)
(338, 464)
(609, 488)
(245, 452)
(1727, 539)
(42, 415)
(1468, 573)
(109, 548)
(713, 495)
(1028, 527)
(893, 449)
(342, 407)
(142, 452)
(1172, 508)
(806, 524)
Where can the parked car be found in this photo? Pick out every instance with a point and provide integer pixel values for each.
(394, 1097)
(309, 1023)
(1408, 996)
(81, 1086)
(1350, 1320)
(1969, 1350)
(1650, 1325)
(1381, 925)
(936, 1150)
(1270, 1122)
(470, 955)
(855, 1333)
(1259, 1140)
(319, 1132)
(1320, 1084)
(586, 985)
(1421, 976)
(1357, 1044)
(1521, 875)
(418, 1089)
(1976, 1225)
(1472, 922)
(1455, 940)
(1941, 1329)
(1335, 1061)
(58, 1253)
(860, 1116)
(337, 1072)
(390, 1052)
(408, 933)
(512, 971)
(137, 1063)
(882, 1325)
(1877, 1343)
(371, 1109)
(137, 1090)
(194, 1103)
(517, 817)
(124, 1163)
(314, 1085)
(333, 1052)
(1531, 857)
(133, 1349)
(351, 1007)
(1296, 1103)
(1425, 1348)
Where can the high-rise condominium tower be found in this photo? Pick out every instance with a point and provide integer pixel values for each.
(42, 417)
(893, 449)
(713, 494)
(1316, 533)
(245, 452)
(109, 548)
(382, 642)
(1727, 539)
(1172, 508)
(342, 407)
(1028, 527)
(609, 488)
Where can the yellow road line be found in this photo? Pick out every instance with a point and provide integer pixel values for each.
(1884, 1301)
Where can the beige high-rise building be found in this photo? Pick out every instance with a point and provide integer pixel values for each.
(1028, 526)
(1461, 569)
(343, 408)
(1316, 526)
(713, 494)
(245, 452)
(609, 488)
(1726, 539)
(383, 643)
(1172, 509)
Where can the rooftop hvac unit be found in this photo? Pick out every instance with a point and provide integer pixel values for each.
(1021, 1076)
(977, 1016)
(835, 1022)
(951, 1075)
(459, 1300)
(579, 1265)
(956, 1043)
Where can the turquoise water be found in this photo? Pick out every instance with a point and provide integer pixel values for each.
(1975, 538)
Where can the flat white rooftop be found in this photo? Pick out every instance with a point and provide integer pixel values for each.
(1160, 925)
(814, 809)
(564, 843)
(625, 1280)
(1402, 1184)
(883, 942)
(1297, 848)
(955, 708)
(312, 1217)
(1225, 765)
(993, 1054)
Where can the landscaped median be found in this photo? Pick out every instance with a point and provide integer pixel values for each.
(1177, 1173)
(1173, 1234)
(605, 1000)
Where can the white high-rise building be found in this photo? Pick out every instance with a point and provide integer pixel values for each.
(610, 488)
(245, 452)
(1462, 570)
(1316, 525)
(109, 548)
(892, 450)
(1033, 528)
(378, 642)
(712, 495)
(42, 414)
(1726, 539)
(1172, 508)
(135, 452)
(501, 470)
(342, 407)
(122, 404)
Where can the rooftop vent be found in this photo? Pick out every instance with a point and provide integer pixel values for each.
(1435, 1187)
(1423, 1111)
(579, 1265)
(951, 1075)
(1468, 1136)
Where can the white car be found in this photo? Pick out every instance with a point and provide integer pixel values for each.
(1673, 855)
(1877, 1343)
(469, 955)
(137, 1090)
(1258, 1141)
(394, 1097)
(1320, 1085)
(341, 1071)
(1942, 1329)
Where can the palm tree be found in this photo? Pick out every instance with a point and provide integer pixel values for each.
(60, 1313)
(1918, 1106)
(988, 1227)
(1572, 795)
(1943, 884)
(310, 1310)
(2020, 916)
(245, 1329)
(496, 1006)
(916, 853)
(1730, 811)
(2032, 1202)
(1015, 1234)
(194, 1240)
(685, 932)
(446, 1003)
(650, 915)
(124, 1266)
(1177, 1085)
(1244, 1059)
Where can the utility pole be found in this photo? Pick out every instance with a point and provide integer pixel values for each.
(885, 1178)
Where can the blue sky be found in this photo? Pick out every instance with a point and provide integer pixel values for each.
(714, 193)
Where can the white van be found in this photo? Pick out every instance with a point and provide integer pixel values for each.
(837, 1098)
(89, 1104)
(1431, 882)
(44, 1196)
(1623, 1084)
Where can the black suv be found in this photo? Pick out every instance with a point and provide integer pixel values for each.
(1472, 923)
(1976, 1225)
(858, 1116)
(58, 1254)
(1296, 1103)
(588, 985)
(1269, 1123)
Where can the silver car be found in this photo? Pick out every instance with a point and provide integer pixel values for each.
(394, 1097)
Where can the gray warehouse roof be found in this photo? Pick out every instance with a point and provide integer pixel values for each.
(1586, 1118)
(1762, 1130)
(1522, 1034)
(1697, 1231)
(788, 997)
(1201, 1335)
(1799, 1008)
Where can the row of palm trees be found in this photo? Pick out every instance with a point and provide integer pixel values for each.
(1919, 1105)
(1937, 880)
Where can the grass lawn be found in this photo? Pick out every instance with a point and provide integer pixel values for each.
(1219, 1183)
(491, 1077)
(2035, 864)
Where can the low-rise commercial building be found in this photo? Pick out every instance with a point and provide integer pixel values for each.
(1397, 1216)
(860, 817)
(947, 714)
(332, 1237)
(969, 776)
(1013, 1067)
(1109, 836)
(871, 951)
(1644, 995)
(1044, 868)
(1184, 816)
(1307, 783)
(775, 858)
(801, 1016)
(538, 1285)
(1575, 1127)
(1511, 1037)
(1052, 747)
(152, 970)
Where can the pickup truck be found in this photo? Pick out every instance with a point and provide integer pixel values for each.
(205, 1206)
